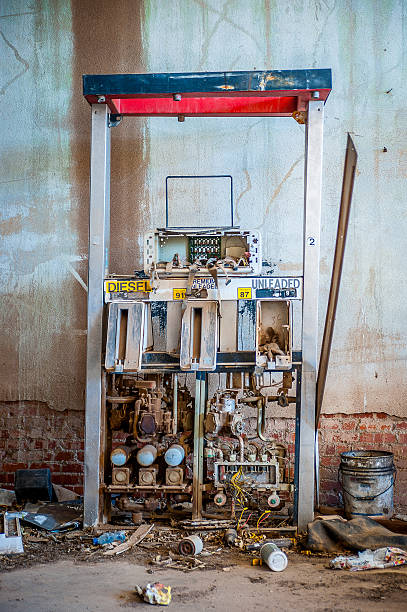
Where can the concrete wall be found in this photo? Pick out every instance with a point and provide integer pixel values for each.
(45, 47)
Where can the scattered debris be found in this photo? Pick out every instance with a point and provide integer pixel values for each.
(134, 539)
(230, 537)
(371, 559)
(11, 541)
(191, 545)
(155, 593)
(63, 494)
(280, 542)
(185, 564)
(7, 498)
(206, 524)
(56, 517)
(109, 537)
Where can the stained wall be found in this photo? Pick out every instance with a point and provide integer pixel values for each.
(45, 47)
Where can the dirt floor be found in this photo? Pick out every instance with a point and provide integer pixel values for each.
(69, 574)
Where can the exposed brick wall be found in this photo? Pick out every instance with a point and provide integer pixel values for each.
(362, 431)
(33, 436)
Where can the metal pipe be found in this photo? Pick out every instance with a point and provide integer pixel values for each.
(241, 443)
(175, 404)
(261, 421)
(343, 221)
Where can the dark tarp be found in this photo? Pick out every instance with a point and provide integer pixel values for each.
(357, 534)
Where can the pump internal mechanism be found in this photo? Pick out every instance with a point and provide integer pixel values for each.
(151, 422)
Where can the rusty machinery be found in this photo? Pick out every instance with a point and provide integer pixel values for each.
(198, 345)
(197, 308)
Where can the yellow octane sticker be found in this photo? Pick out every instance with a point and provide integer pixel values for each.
(244, 293)
(178, 294)
(126, 286)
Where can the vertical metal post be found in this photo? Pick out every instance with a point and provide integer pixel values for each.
(99, 233)
(298, 370)
(200, 400)
(312, 225)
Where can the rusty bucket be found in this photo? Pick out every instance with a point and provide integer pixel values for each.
(367, 478)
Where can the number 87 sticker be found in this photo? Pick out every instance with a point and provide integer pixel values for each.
(244, 293)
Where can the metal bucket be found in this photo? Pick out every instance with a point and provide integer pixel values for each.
(367, 479)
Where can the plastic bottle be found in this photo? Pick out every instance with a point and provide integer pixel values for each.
(273, 557)
(109, 537)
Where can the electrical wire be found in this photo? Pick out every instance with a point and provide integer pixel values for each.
(260, 517)
(247, 520)
(240, 517)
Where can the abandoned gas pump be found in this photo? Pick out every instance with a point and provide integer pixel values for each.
(198, 347)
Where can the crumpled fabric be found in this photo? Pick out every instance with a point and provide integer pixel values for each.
(155, 594)
(371, 559)
(358, 534)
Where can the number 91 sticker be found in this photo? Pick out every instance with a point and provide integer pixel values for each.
(244, 293)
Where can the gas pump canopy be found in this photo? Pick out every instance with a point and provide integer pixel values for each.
(266, 93)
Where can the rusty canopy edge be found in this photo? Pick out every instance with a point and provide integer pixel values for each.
(259, 82)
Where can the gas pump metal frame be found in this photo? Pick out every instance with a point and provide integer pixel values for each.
(300, 94)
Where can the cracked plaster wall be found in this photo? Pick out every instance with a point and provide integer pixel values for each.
(46, 45)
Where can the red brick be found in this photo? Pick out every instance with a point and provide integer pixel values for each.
(77, 445)
(328, 485)
(71, 467)
(64, 456)
(67, 479)
(403, 438)
(401, 425)
(12, 467)
(366, 437)
(329, 461)
(54, 467)
(348, 425)
(389, 437)
(80, 455)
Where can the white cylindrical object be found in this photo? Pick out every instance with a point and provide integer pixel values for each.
(174, 455)
(119, 456)
(191, 545)
(273, 557)
(147, 455)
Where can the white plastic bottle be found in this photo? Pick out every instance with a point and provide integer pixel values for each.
(273, 557)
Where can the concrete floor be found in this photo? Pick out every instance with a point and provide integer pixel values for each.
(306, 584)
